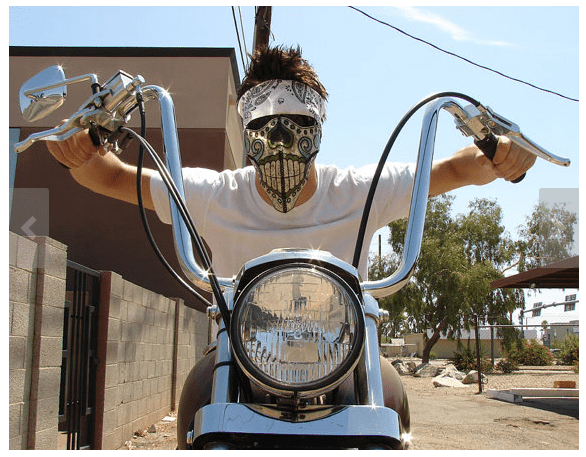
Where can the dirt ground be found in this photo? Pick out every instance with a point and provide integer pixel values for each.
(446, 418)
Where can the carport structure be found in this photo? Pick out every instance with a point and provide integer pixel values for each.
(559, 275)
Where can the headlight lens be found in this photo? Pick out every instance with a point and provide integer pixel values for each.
(298, 329)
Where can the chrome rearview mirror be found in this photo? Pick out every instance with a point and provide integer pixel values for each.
(43, 93)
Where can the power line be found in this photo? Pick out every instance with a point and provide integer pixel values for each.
(242, 28)
(460, 57)
(238, 36)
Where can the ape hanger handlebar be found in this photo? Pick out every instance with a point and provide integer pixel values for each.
(111, 104)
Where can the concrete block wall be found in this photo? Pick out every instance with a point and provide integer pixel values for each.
(37, 271)
(147, 344)
(152, 343)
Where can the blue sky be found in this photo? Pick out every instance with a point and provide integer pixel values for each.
(375, 74)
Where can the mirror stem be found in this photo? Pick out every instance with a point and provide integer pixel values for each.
(90, 76)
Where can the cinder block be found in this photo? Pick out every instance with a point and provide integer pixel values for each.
(17, 353)
(18, 386)
(16, 424)
(49, 383)
(114, 311)
(127, 291)
(46, 439)
(27, 254)
(52, 290)
(112, 352)
(116, 285)
(111, 399)
(112, 375)
(21, 286)
(113, 329)
(50, 353)
(114, 439)
(52, 258)
(48, 414)
(110, 421)
(52, 321)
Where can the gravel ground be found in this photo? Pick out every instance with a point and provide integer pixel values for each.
(460, 418)
(445, 418)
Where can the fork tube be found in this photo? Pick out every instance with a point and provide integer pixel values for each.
(223, 389)
(368, 374)
(223, 374)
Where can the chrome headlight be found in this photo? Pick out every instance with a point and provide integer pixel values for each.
(297, 328)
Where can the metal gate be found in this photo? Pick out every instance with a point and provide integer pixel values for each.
(79, 361)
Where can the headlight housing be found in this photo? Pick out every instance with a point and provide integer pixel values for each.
(297, 329)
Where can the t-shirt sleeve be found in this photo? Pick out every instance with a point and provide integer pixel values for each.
(160, 198)
(393, 192)
(198, 184)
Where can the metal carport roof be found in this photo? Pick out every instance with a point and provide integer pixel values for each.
(558, 275)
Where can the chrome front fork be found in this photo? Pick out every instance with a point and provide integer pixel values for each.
(368, 375)
(224, 385)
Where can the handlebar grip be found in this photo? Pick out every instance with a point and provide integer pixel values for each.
(95, 135)
(488, 147)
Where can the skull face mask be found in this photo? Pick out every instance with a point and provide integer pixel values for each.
(284, 138)
(282, 153)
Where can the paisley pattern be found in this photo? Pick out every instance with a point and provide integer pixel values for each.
(281, 97)
(282, 153)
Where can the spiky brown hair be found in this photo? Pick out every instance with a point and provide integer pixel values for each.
(280, 63)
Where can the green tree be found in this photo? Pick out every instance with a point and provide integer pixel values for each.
(459, 258)
(547, 237)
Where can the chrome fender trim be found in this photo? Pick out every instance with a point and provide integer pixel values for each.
(351, 421)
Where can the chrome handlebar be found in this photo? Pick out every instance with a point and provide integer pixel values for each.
(475, 121)
(110, 107)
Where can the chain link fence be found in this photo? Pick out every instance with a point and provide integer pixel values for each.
(525, 355)
(534, 353)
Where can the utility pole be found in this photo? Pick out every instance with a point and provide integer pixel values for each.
(262, 27)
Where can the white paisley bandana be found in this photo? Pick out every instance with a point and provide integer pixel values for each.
(279, 96)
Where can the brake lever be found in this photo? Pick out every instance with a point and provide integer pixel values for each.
(501, 126)
(483, 124)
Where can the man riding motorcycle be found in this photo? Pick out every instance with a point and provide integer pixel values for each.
(284, 199)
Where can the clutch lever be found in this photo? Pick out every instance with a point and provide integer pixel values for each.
(59, 133)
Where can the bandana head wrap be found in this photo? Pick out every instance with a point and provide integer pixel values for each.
(281, 97)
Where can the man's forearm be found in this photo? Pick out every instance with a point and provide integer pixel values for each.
(108, 175)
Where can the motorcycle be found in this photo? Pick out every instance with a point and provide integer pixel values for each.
(295, 362)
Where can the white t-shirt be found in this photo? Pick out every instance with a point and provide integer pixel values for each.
(239, 226)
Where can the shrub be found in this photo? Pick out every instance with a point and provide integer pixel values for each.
(530, 353)
(569, 348)
(465, 360)
(506, 366)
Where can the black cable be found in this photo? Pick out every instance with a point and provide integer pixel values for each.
(182, 208)
(460, 57)
(143, 215)
(383, 159)
(242, 29)
(238, 36)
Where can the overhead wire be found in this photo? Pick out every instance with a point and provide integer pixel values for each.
(460, 57)
(243, 35)
(238, 36)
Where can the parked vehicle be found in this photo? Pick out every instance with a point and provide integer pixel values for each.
(296, 362)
